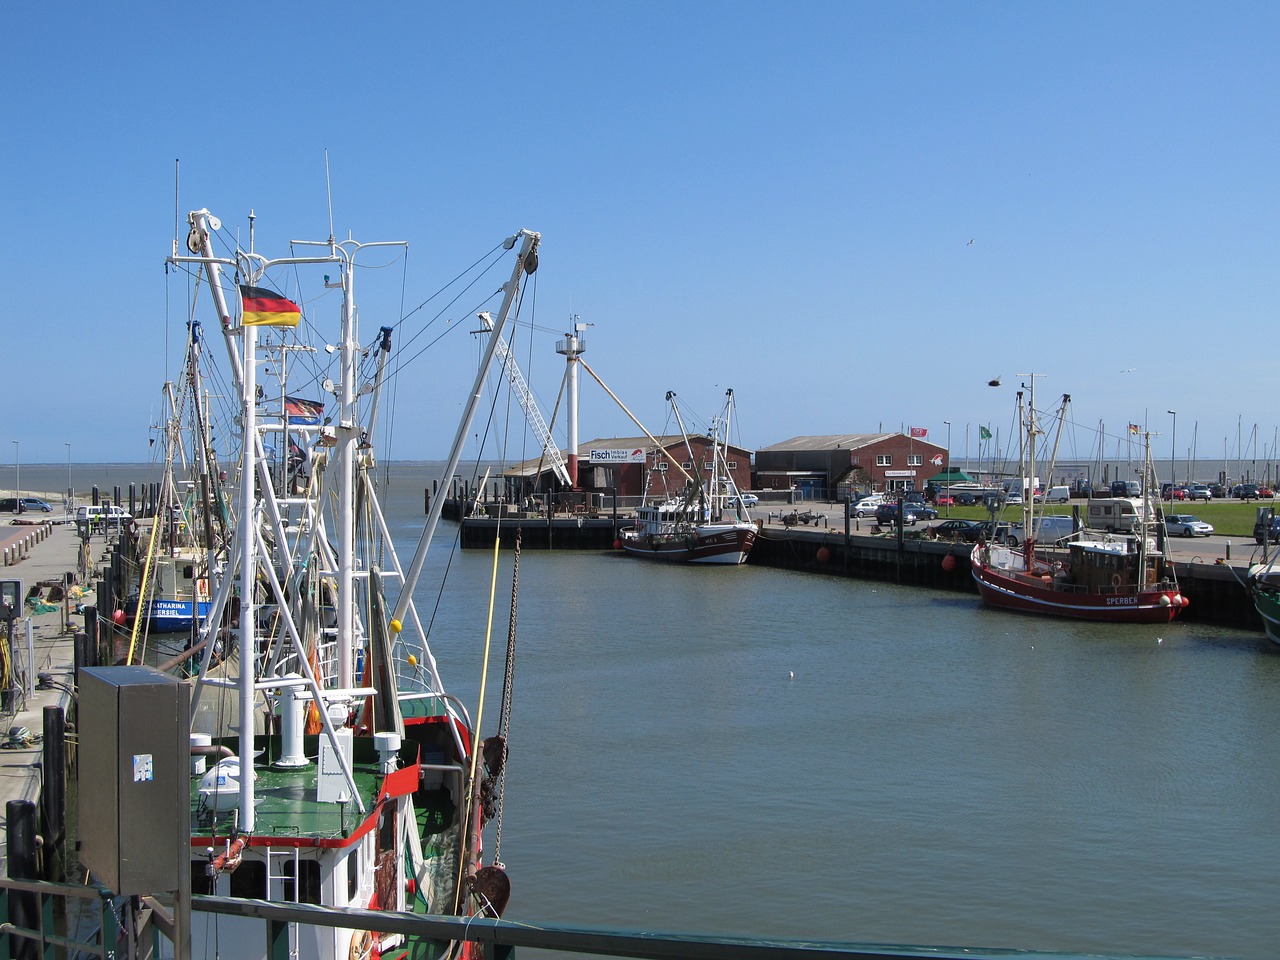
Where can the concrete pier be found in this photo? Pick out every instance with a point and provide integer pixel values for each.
(45, 557)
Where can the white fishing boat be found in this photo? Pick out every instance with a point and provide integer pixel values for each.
(708, 522)
(341, 772)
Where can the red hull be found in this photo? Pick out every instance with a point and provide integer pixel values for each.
(1045, 596)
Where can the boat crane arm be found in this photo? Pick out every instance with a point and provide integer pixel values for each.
(526, 261)
(595, 376)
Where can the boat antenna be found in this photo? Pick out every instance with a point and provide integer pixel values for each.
(328, 190)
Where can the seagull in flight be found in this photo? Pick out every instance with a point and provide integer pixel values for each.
(1128, 369)
(970, 243)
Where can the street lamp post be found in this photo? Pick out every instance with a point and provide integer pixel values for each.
(1173, 456)
(70, 493)
(17, 478)
(949, 474)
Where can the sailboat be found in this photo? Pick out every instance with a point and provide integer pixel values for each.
(708, 522)
(1090, 575)
(332, 766)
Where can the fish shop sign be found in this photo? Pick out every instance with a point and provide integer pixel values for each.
(618, 456)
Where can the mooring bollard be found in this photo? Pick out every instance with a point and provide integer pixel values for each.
(1228, 549)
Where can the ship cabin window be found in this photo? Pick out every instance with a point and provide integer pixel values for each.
(249, 880)
(353, 873)
(307, 889)
(884, 460)
(188, 571)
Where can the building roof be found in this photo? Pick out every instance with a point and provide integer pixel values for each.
(530, 467)
(845, 441)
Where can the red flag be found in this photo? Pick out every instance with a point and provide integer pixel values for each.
(919, 432)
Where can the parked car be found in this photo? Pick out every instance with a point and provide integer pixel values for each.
(992, 531)
(887, 513)
(24, 505)
(914, 496)
(1199, 491)
(952, 529)
(967, 499)
(1218, 491)
(1186, 525)
(1173, 493)
(1013, 498)
(1245, 491)
(1265, 492)
(865, 507)
(747, 499)
(1267, 526)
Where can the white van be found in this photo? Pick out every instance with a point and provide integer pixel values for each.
(1057, 495)
(1114, 514)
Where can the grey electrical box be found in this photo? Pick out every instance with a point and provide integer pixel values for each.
(134, 786)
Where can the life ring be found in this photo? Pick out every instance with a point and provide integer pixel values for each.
(1116, 580)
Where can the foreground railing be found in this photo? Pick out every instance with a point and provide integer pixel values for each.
(499, 938)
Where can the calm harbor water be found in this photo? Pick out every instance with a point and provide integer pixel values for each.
(761, 753)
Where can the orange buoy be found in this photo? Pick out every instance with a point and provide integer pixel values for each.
(617, 544)
(949, 562)
(118, 617)
(823, 554)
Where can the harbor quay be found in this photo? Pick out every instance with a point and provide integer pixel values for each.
(817, 537)
(44, 566)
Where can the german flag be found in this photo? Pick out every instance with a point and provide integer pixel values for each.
(266, 308)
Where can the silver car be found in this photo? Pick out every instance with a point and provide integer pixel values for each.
(1185, 525)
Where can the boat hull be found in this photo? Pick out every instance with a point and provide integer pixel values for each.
(1266, 600)
(171, 616)
(710, 544)
(1043, 595)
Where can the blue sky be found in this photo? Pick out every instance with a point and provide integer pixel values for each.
(778, 198)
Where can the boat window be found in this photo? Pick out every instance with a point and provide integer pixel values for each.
(249, 880)
(353, 874)
(201, 882)
(188, 571)
(308, 889)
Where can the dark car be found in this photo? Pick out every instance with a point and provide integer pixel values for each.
(1246, 491)
(887, 513)
(1267, 526)
(952, 529)
(24, 505)
(1002, 529)
(966, 499)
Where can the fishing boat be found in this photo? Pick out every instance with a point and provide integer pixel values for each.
(1116, 577)
(186, 538)
(1263, 580)
(708, 522)
(331, 765)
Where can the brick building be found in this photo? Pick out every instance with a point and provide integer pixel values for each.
(829, 467)
(606, 473)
